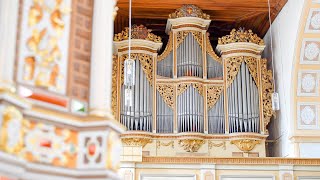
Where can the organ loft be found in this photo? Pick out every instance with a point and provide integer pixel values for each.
(192, 99)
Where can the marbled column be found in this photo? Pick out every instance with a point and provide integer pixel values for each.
(101, 58)
(8, 32)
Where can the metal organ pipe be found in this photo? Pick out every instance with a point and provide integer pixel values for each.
(164, 67)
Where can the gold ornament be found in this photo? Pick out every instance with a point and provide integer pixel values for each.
(171, 143)
(136, 141)
(211, 52)
(191, 145)
(114, 84)
(168, 48)
(189, 10)
(212, 144)
(181, 35)
(138, 32)
(241, 36)
(166, 91)
(213, 94)
(245, 145)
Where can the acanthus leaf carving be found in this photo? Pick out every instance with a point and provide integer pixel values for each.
(136, 141)
(168, 48)
(241, 35)
(213, 95)
(166, 92)
(181, 35)
(114, 84)
(191, 145)
(245, 145)
(138, 32)
(210, 50)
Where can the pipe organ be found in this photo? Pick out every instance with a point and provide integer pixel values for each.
(188, 94)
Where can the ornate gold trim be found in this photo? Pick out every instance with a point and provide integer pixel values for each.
(213, 95)
(114, 84)
(252, 66)
(241, 36)
(189, 25)
(138, 48)
(182, 87)
(199, 87)
(136, 141)
(211, 52)
(168, 48)
(245, 145)
(138, 32)
(171, 143)
(191, 145)
(167, 93)
(181, 35)
(189, 10)
(212, 144)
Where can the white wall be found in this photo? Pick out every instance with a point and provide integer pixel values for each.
(284, 32)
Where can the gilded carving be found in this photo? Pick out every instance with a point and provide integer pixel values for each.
(191, 145)
(181, 35)
(267, 90)
(136, 141)
(213, 95)
(252, 66)
(245, 145)
(159, 143)
(114, 84)
(212, 144)
(182, 87)
(241, 36)
(210, 50)
(168, 48)
(12, 131)
(199, 87)
(138, 32)
(146, 62)
(166, 91)
(189, 10)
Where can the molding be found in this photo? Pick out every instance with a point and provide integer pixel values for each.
(136, 43)
(194, 21)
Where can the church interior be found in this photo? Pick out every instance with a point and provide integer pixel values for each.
(146, 90)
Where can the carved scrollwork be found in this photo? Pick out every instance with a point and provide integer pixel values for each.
(136, 141)
(181, 35)
(189, 10)
(199, 87)
(182, 87)
(146, 62)
(241, 36)
(114, 84)
(159, 143)
(245, 145)
(267, 90)
(212, 144)
(213, 94)
(191, 145)
(138, 32)
(233, 67)
(168, 48)
(210, 50)
(252, 66)
(166, 91)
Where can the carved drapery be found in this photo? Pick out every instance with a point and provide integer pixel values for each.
(245, 145)
(213, 95)
(181, 35)
(267, 90)
(212, 144)
(233, 67)
(241, 36)
(166, 91)
(159, 143)
(138, 32)
(168, 48)
(210, 50)
(136, 141)
(191, 145)
(146, 64)
(114, 84)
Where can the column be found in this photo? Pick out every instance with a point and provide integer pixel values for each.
(8, 32)
(101, 58)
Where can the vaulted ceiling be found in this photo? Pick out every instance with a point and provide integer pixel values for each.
(225, 15)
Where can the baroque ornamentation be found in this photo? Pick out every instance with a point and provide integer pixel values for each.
(245, 145)
(212, 144)
(167, 93)
(181, 35)
(241, 36)
(191, 145)
(267, 90)
(146, 62)
(136, 141)
(213, 95)
(159, 143)
(307, 115)
(168, 48)
(210, 50)
(114, 84)
(189, 10)
(233, 66)
(182, 87)
(138, 32)
(12, 131)
(252, 66)
(199, 87)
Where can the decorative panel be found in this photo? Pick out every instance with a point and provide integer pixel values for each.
(43, 48)
(310, 51)
(313, 22)
(92, 147)
(308, 83)
(308, 115)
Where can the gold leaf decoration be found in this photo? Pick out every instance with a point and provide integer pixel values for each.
(167, 91)
(168, 48)
(213, 94)
(191, 145)
(138, 32)
(267, 90)
(189, 10)
(212, 144)
(182, 87)
(199, 87)
(245, 145)
(159, 143)
(136, 141)
(210, 50)
(114, 84)
(233, 66)
(181, 35)
(252, 66)
(241, 36)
